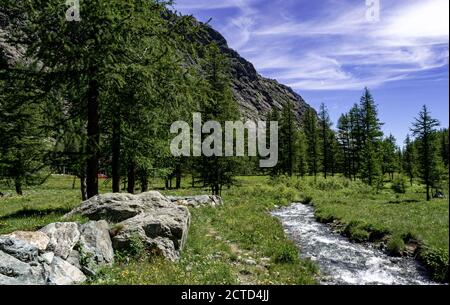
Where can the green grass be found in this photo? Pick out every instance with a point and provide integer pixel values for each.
(221, 242)
(240, 243)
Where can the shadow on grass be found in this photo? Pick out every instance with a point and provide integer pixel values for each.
(404, 201)
(24, 213)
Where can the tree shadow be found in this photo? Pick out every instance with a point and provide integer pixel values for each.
(24, 213)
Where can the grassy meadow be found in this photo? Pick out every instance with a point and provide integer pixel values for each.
(240, 243)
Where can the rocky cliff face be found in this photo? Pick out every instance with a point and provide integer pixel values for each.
(255, 94)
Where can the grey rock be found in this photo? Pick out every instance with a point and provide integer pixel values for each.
(63, 237)
(74, 259)
(119, 207)
(6, 280)
(163, 231)
(16, 271)
(95, 244)
(18, 248)
(61, 272)
(197, 201)
(47, 257)
(37, 238)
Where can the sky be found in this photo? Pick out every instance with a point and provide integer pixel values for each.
(329, 50)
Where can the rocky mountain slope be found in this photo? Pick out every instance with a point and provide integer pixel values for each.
(255, 94)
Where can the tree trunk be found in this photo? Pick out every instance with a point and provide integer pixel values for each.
(93, 139)
(131, 178)
(18, 186)
(116, 156)
(144, 183)
(178, 176)
(83, 188)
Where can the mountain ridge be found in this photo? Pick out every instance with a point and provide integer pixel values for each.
(255, 94)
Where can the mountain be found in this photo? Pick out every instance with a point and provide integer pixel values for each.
(255, 94)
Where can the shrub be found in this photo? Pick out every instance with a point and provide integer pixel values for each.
(287, 254)
(395, 246)
(399, 185)
(436, 261)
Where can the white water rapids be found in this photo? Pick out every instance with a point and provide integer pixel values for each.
(342, 262)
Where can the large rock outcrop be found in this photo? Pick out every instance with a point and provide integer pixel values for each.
(58, 254)
(65, 253)
(161, 225)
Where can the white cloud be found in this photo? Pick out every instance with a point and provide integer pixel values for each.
(336, 47)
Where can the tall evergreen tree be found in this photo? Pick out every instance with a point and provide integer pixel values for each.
(218, 105)
(391, 162)
(409, 159)
(325, 129)
(310, 127)
(424, 130)
(370, 170)
(287, 140)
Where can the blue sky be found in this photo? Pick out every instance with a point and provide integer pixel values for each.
(328, 51)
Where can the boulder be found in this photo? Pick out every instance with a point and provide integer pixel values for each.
(38, 239)
(95, 245)
(63, 237)
(197, 201)
(163, 231)
(14, 271)
(60, 272)
(19, 249)
(119, 207)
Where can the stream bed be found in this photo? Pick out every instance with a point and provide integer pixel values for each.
(342, 262)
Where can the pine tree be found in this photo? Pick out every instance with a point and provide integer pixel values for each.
(424, 130)
(371, 134)
(310, 127)
(287, 140)
(302, 153)
(325, 129)
(390, 159)
(409, 159)
(218, 105)
(24, 143)
(345, 144)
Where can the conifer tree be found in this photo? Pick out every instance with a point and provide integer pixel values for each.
(424, 130)
(310, 126)
(371, 134)
(409, 159)
(325, 129)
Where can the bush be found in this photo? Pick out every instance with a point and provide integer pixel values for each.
(399, 185)
(436, 261)
(287, 254)
(395, 246)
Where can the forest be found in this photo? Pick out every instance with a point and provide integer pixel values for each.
(89, 105)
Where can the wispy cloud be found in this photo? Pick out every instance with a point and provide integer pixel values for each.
(332, 45)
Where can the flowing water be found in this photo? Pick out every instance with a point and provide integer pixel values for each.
(342, 262)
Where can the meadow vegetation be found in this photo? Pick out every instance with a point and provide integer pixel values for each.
(241, 243)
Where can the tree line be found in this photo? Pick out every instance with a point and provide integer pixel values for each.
(99, 96)
(358, 148)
